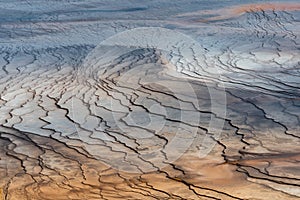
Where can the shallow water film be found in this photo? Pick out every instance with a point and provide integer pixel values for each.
(147, 100)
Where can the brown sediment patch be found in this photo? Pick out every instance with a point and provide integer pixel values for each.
(223, 180)
(235, 11)
(265, 6)
(1, 194)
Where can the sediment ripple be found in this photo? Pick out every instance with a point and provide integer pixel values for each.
(141, 122)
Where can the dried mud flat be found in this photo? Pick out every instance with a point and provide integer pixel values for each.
(214, 121)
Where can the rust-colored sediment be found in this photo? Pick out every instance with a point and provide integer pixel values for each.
(235, 11)
(1, 194)
(128, 125)
(265, 6)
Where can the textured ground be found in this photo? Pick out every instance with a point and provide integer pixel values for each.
(215, 121)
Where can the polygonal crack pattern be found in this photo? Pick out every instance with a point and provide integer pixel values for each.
(69, 132)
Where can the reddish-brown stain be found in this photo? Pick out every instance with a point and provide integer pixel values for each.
(235, 11)
(265, 6)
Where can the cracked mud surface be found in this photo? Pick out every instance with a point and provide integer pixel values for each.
(113, 128)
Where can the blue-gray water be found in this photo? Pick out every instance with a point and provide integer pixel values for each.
(149, 99)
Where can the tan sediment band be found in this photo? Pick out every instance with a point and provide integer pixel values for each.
(1, 194)
(235, 11)
(265, 6)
